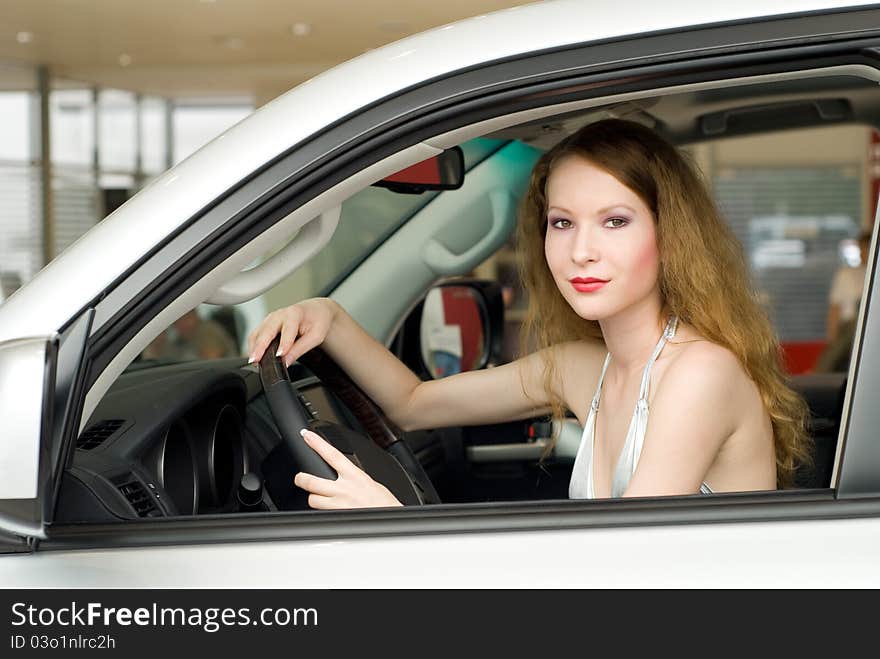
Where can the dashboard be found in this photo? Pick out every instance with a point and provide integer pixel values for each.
(169, 440)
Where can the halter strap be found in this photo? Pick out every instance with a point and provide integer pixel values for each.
(595, 403)
(668, 333)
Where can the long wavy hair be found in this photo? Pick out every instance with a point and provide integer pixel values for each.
(703, 276)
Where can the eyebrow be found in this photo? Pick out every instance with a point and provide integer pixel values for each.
(601, 211)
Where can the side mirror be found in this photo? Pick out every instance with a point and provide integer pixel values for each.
(457, 327)
(452, 334)
(27, 377)
(444, 171)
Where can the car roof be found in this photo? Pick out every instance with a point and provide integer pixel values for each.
(157, 211)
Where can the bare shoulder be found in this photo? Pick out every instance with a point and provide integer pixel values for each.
(698, 360)
(712, 373)
(706, 385)
(697, 354)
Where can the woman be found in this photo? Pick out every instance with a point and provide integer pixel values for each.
(640, 299)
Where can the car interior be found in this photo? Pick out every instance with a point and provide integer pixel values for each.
(190, 428)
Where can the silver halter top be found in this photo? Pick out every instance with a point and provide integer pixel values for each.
(581, 484)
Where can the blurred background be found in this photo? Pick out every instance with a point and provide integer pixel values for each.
(98, 97)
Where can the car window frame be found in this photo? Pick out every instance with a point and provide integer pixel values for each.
(722, 51)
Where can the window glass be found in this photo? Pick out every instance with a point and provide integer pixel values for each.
(154, 129)
(76, 204)
(367, 218)
(19, 126)
(21, 231)
(72, 121)
(117, 131)
(197, 124)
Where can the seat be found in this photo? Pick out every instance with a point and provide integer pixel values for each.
(824, 394)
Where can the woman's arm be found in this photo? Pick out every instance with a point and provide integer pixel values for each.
(494, 395)
(503, 393)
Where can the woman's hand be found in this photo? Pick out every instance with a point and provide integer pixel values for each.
(353, 488)
(303, 326)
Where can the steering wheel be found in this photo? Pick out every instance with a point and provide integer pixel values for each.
(380, 451)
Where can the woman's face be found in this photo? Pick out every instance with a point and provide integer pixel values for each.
(597, 228)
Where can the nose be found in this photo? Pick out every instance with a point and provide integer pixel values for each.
(584, 246)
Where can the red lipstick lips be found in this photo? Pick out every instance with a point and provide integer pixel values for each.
(587, 284)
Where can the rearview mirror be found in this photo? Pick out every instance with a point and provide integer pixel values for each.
(445, 171)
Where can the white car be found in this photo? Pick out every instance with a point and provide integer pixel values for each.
(118, 470)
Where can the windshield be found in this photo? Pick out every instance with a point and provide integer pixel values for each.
(366, 220)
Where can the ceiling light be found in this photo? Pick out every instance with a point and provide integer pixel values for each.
(300, 29)
(124, 59)
(24, 37)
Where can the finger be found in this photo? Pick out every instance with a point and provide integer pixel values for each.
(252, 337)
(289, 331)
(305, 343)
(268, 331)
(332, 456)
(321, 503)
(314, 484)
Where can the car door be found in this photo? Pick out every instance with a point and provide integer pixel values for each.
(739, 539)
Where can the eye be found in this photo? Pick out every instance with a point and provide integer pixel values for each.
(622, 222)
(560, 223)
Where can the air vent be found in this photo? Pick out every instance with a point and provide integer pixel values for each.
(94, 435)
(139, 498)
